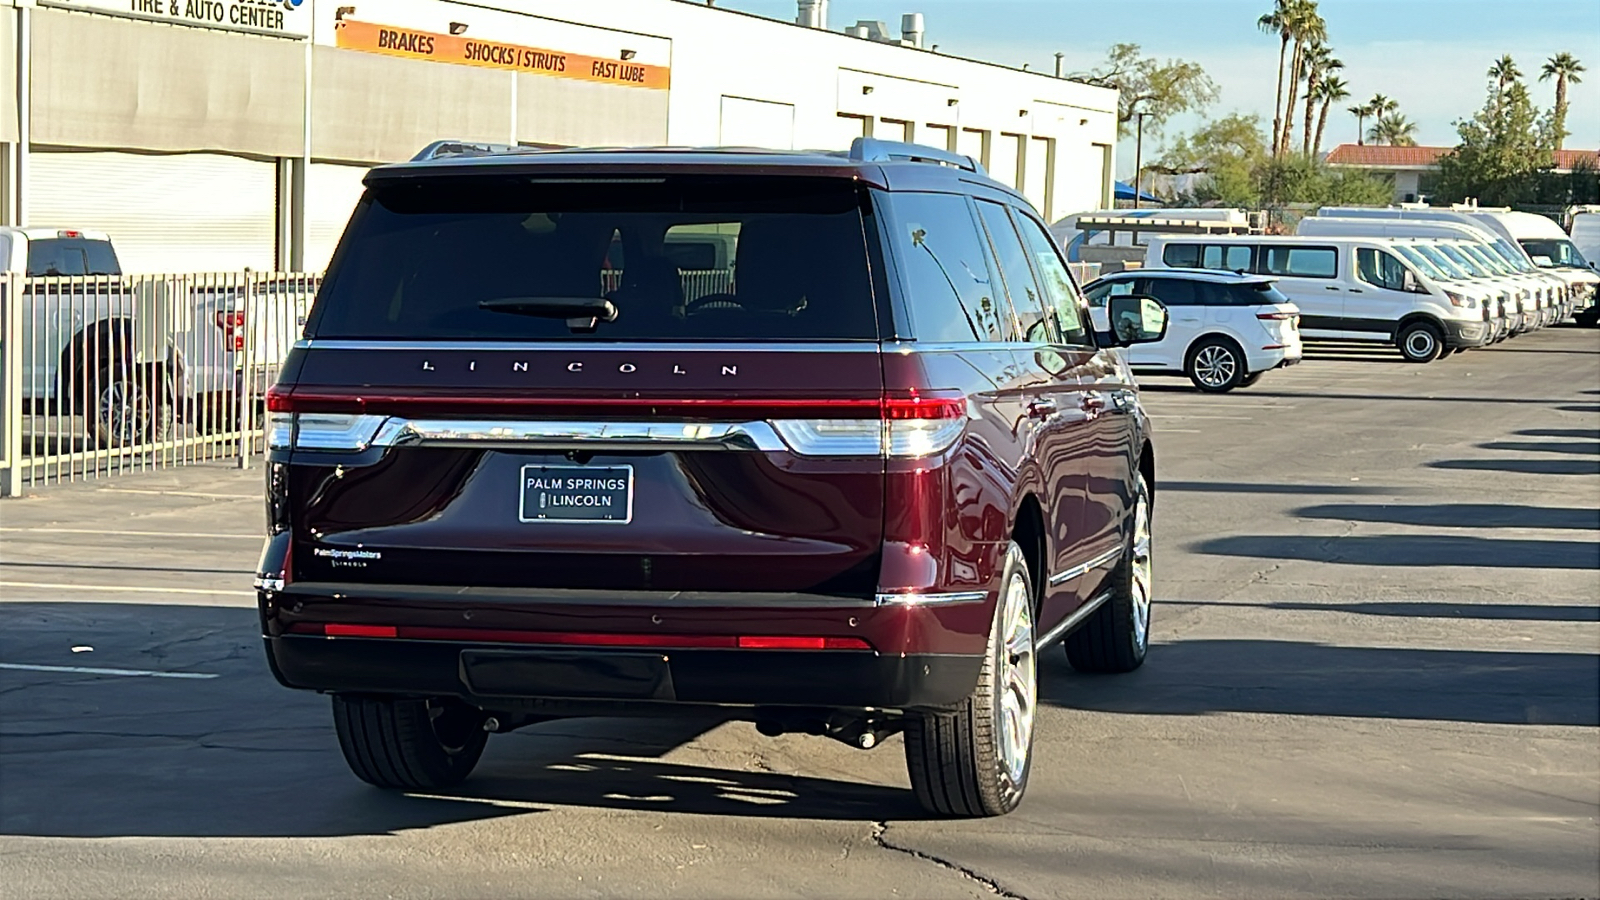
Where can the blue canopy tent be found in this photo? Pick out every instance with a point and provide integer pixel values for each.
(1124, 191)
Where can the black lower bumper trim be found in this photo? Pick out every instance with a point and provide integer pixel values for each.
(483, 674)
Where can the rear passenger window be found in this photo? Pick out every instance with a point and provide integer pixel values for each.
(1181, 256)
(1175, 291)
(1059, 289)
(1018, 274)
(1300, 262)
(1232, 257)
(941, 253)
(57, 257)
(1378, 268)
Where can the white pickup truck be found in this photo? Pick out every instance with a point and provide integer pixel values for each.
(134, 353)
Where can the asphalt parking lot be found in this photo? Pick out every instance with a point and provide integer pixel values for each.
(1376, 673)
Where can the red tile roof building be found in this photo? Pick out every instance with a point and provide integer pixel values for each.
(1407, 164)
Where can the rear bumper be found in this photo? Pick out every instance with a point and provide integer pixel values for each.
(511, 676)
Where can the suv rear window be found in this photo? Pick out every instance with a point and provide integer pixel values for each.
(702, 258)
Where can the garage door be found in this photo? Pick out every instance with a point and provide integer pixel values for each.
(331, 194)
(190, 212)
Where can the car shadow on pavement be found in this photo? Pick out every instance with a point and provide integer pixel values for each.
(228, 752)
(537, 765)
(1245, 487)
(1410, 550)
(1458, 515)
(1592, 434)
(1522, 466)
(1587, 448)
(1199, 677)
(1424, 610)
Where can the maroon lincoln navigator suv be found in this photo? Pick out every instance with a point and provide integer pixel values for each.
(824, 440)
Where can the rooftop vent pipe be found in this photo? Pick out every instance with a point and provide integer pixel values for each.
(813, 14)
(911, 28)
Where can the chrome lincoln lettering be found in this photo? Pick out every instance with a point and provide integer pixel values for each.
(575, 367)
(472, 366)
(427, 366)
(627, 368)
(678, 370)
(519, 367)
(730, 370)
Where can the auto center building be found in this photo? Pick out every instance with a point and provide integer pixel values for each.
(209, 135)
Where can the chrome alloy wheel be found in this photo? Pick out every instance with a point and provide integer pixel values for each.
(1215, 365)
(1019, 683)
(1141, 569)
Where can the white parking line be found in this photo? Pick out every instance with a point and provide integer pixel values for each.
(120, 588)
(176, 534)
(180, 494)
(1176, 416)
(87, 670)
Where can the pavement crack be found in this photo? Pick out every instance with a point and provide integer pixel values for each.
(880, 837)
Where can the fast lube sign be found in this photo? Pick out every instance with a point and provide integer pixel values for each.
(287, 17)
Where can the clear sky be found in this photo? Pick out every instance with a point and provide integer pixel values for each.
(1430, 55)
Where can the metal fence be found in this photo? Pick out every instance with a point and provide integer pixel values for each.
(107, 374)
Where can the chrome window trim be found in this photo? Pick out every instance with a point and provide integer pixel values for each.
(404, 432)
(1075, 571)
(917, 599)
(631, 346)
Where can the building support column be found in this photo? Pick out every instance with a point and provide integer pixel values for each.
(14, 164)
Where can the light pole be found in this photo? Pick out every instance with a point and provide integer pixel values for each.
(1138, 156)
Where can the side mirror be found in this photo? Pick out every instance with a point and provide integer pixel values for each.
(1136, 319)
(1408, 283)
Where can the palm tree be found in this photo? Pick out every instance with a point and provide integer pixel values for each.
(1308, 29)
(1320, 63)
(1503, 71)
(1393, 129)
(1361, 111)
(1566, 69)
(1330, 90)
(1277, 22)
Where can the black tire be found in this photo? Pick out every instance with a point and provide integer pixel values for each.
(1588, 318)
(1215, 365)
(1420, 342)
(409, 744)
(1251, 379)
(1116, 637)
(961, 762)
(126, 406)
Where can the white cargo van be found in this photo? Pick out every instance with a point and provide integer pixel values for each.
(1351, 289)
(1532, 292)
(1537, 238)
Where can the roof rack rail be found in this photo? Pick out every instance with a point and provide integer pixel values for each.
(441, 149)
(866, 149)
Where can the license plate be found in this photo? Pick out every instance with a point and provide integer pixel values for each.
(577, 494)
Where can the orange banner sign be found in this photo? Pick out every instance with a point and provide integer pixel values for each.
(411, 44)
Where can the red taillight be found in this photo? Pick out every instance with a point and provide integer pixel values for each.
(278, 400)
(232, 324)
(570, 638)
(802, 643)
(924, 405)
(1276, 316)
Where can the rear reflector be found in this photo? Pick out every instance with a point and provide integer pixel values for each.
(568, 638)
(332, 630)
(1276, 316)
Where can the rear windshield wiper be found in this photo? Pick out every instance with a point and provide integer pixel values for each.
(581, 313)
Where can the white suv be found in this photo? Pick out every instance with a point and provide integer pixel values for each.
(1224, 330)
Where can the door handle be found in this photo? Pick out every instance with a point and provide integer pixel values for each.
(1041, 409)
(1330, 287)
(1355, 290)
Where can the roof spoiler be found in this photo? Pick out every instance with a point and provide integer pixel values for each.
(865, 149)
(443, 149)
